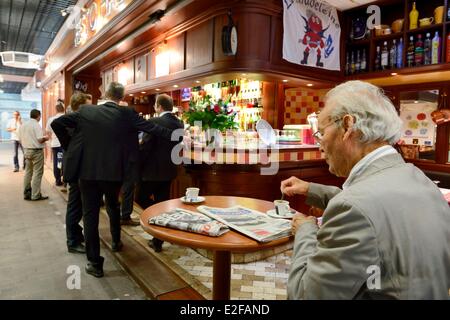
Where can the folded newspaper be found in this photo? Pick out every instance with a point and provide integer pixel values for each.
(189, 221)
(255, 224)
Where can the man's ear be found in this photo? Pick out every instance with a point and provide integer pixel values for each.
(347, 122)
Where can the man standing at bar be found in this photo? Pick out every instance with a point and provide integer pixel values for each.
(32, 139)
(386, 234)
(104, 133)
(57, 150)
(157, 168)
(13, 127)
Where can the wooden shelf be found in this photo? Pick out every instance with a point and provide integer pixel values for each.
(386, 37)
(425, 29)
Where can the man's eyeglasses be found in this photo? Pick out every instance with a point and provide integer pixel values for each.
(318, 135)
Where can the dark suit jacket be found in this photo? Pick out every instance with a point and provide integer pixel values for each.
(155, 153)
(99, 149)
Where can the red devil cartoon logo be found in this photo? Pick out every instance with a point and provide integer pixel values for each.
(313, 38)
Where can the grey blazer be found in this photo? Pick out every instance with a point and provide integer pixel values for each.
(386, 236)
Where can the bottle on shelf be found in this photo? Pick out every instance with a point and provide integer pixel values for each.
(410, 53)
(448, 48)
(377, 59)
(384, 56)
(347, 63)
(413, 17)
(435, 48)
(363, 61)
(352, 64)
(393, 55)
(400, 54)
(418, 51)
(427, 50)
(358, 62)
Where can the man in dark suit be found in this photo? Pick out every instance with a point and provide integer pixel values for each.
(157, 167)
(104, 131)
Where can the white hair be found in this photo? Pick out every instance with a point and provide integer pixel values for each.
(374, 114)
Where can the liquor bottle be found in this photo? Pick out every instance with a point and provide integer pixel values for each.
(448, 47)
(378, 59)
(393, 55)
(358, 62)
(400, 54)
(384, 56)
(347, 64)
(413, 17)
(364, 61)
(352, 64)
(418, 51)
(427, 50)
(410, 53)
(435, 48)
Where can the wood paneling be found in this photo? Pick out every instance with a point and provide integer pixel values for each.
(253, 33)
(199, 42)
(176, 49)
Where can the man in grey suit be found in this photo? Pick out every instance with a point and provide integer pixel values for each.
(386, 234)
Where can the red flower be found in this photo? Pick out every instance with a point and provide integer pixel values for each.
(216, 108)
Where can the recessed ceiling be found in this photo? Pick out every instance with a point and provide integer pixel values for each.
(28, 26)
(347, 4)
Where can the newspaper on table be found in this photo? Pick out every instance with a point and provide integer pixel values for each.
(191, 221)
(252, 223)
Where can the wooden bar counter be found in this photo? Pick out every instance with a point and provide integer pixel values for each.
(238, 171)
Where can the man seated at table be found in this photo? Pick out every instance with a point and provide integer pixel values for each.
(386, 234)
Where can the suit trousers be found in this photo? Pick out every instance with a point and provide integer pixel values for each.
(91, 195)
(128, 186)
(160, 190)
(33, 173)
(74, 214)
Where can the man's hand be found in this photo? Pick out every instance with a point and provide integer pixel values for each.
(294, 186)
(299, 219)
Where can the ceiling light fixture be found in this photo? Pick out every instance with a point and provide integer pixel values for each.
(197, 81)
(175, 86)
(285, 80)
(157, 89)
(309, 85)
(394, 73)
(143, 92)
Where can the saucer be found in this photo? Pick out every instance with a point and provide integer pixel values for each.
(273, 213)
(198, 200)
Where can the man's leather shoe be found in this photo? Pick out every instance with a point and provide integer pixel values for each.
(155, 244)
(79, 248)
(16, 170)
(93, 270)
(129, 222)
(116, 246)
(27, 198)
(41, 197)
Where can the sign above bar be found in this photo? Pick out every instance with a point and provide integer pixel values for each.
(95, 17)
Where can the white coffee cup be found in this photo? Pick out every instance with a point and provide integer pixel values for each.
(192, 194)
(282, 207)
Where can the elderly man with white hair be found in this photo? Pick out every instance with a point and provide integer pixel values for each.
(386, 234)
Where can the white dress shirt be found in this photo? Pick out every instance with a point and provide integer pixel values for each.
(14, 124)
(54, 142)
(29, 134)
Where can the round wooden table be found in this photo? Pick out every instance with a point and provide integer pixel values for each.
(221, 246)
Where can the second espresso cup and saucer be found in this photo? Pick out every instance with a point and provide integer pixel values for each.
(192, 196)
(281, 210)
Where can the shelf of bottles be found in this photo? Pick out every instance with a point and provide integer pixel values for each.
(411, 35)
(242, 96)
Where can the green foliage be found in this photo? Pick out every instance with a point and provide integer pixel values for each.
(211, 114)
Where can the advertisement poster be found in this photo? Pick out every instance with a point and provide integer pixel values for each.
(418, 126)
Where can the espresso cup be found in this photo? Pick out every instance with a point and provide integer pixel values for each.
(425, 21)
(282, 207)
(192, 194)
